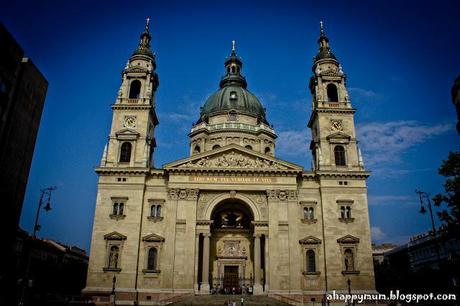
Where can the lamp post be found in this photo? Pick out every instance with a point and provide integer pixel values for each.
(349, 291)
(46, 193)
(425, 197)
(44, 197)
(114, 281)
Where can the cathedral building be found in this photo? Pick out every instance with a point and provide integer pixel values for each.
(231, 216)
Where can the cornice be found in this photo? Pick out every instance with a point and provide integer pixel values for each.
(263, 172)
(339, 175)
(120, 106)
(116, 170)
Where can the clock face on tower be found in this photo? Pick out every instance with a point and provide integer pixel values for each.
(336, 125)
(130, 122)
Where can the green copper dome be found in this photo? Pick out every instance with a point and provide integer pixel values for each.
(233, 94)
(144, 45)
(233, 97)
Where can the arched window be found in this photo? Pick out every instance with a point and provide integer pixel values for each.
(332, 95)
(152, 259)
(158, 211)
(215, 147)
(113, 257)
(308, 213)
(349, 260)
(125, 152)
(348, 212)
(118, 209)
(311, 261)
(339, 154)
(248, 147)
(233, 69)
(135, 89)
(197, 149)
(342, 212)
(267, 150)
(153, 210)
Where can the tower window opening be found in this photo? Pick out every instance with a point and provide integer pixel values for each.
(125, 152)
(135, 89)
(197, 149)
(267, 150)
(233, 68)
(339, 154)
(215, 147)
(332, 94)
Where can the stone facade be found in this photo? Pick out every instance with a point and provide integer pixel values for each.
(232, 215)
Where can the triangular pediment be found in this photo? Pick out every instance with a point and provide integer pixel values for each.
(233, 157)
(310, 240)
(348, 239)
(114, 236)
(127, 134)
(153, 238)
(331, 72)
(338, 135)
(136, 69)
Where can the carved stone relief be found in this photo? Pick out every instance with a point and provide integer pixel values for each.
(232, 160)
(177, 193)
(282, 195)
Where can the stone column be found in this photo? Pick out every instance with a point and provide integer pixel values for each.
(197, 253)
(257, 285)
(205, 278)
(267, 265)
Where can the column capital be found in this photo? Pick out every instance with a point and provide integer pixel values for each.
(207, 235)
(257, 235)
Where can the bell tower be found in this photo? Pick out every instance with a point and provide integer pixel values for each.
(334, 145)
(131, 140)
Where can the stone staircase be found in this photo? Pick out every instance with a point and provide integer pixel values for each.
(219, 300)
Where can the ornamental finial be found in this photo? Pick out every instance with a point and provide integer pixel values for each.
(233, 46)
(147, 24)
(321, 27)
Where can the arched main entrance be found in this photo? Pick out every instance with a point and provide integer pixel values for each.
(232, 256)
(230, 250)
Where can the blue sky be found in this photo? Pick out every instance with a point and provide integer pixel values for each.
(401, 58)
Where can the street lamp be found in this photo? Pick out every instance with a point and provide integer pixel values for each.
(425, 201)
(45, 197)
(114, 281)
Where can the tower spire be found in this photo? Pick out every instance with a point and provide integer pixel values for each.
(324, 49)
(144, 44)
(147, 25)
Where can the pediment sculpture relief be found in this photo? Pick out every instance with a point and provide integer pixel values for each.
(234, 160)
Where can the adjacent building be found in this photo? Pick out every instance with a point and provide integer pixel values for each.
(232, 214)
(52, 272)
(22, 95)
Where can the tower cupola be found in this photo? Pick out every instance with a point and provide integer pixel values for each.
(324, 51)
(233, 66)
(144, 44)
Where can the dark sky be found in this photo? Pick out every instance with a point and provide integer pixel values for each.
(401, 58)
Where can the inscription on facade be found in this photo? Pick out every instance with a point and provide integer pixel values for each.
(233, 180)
